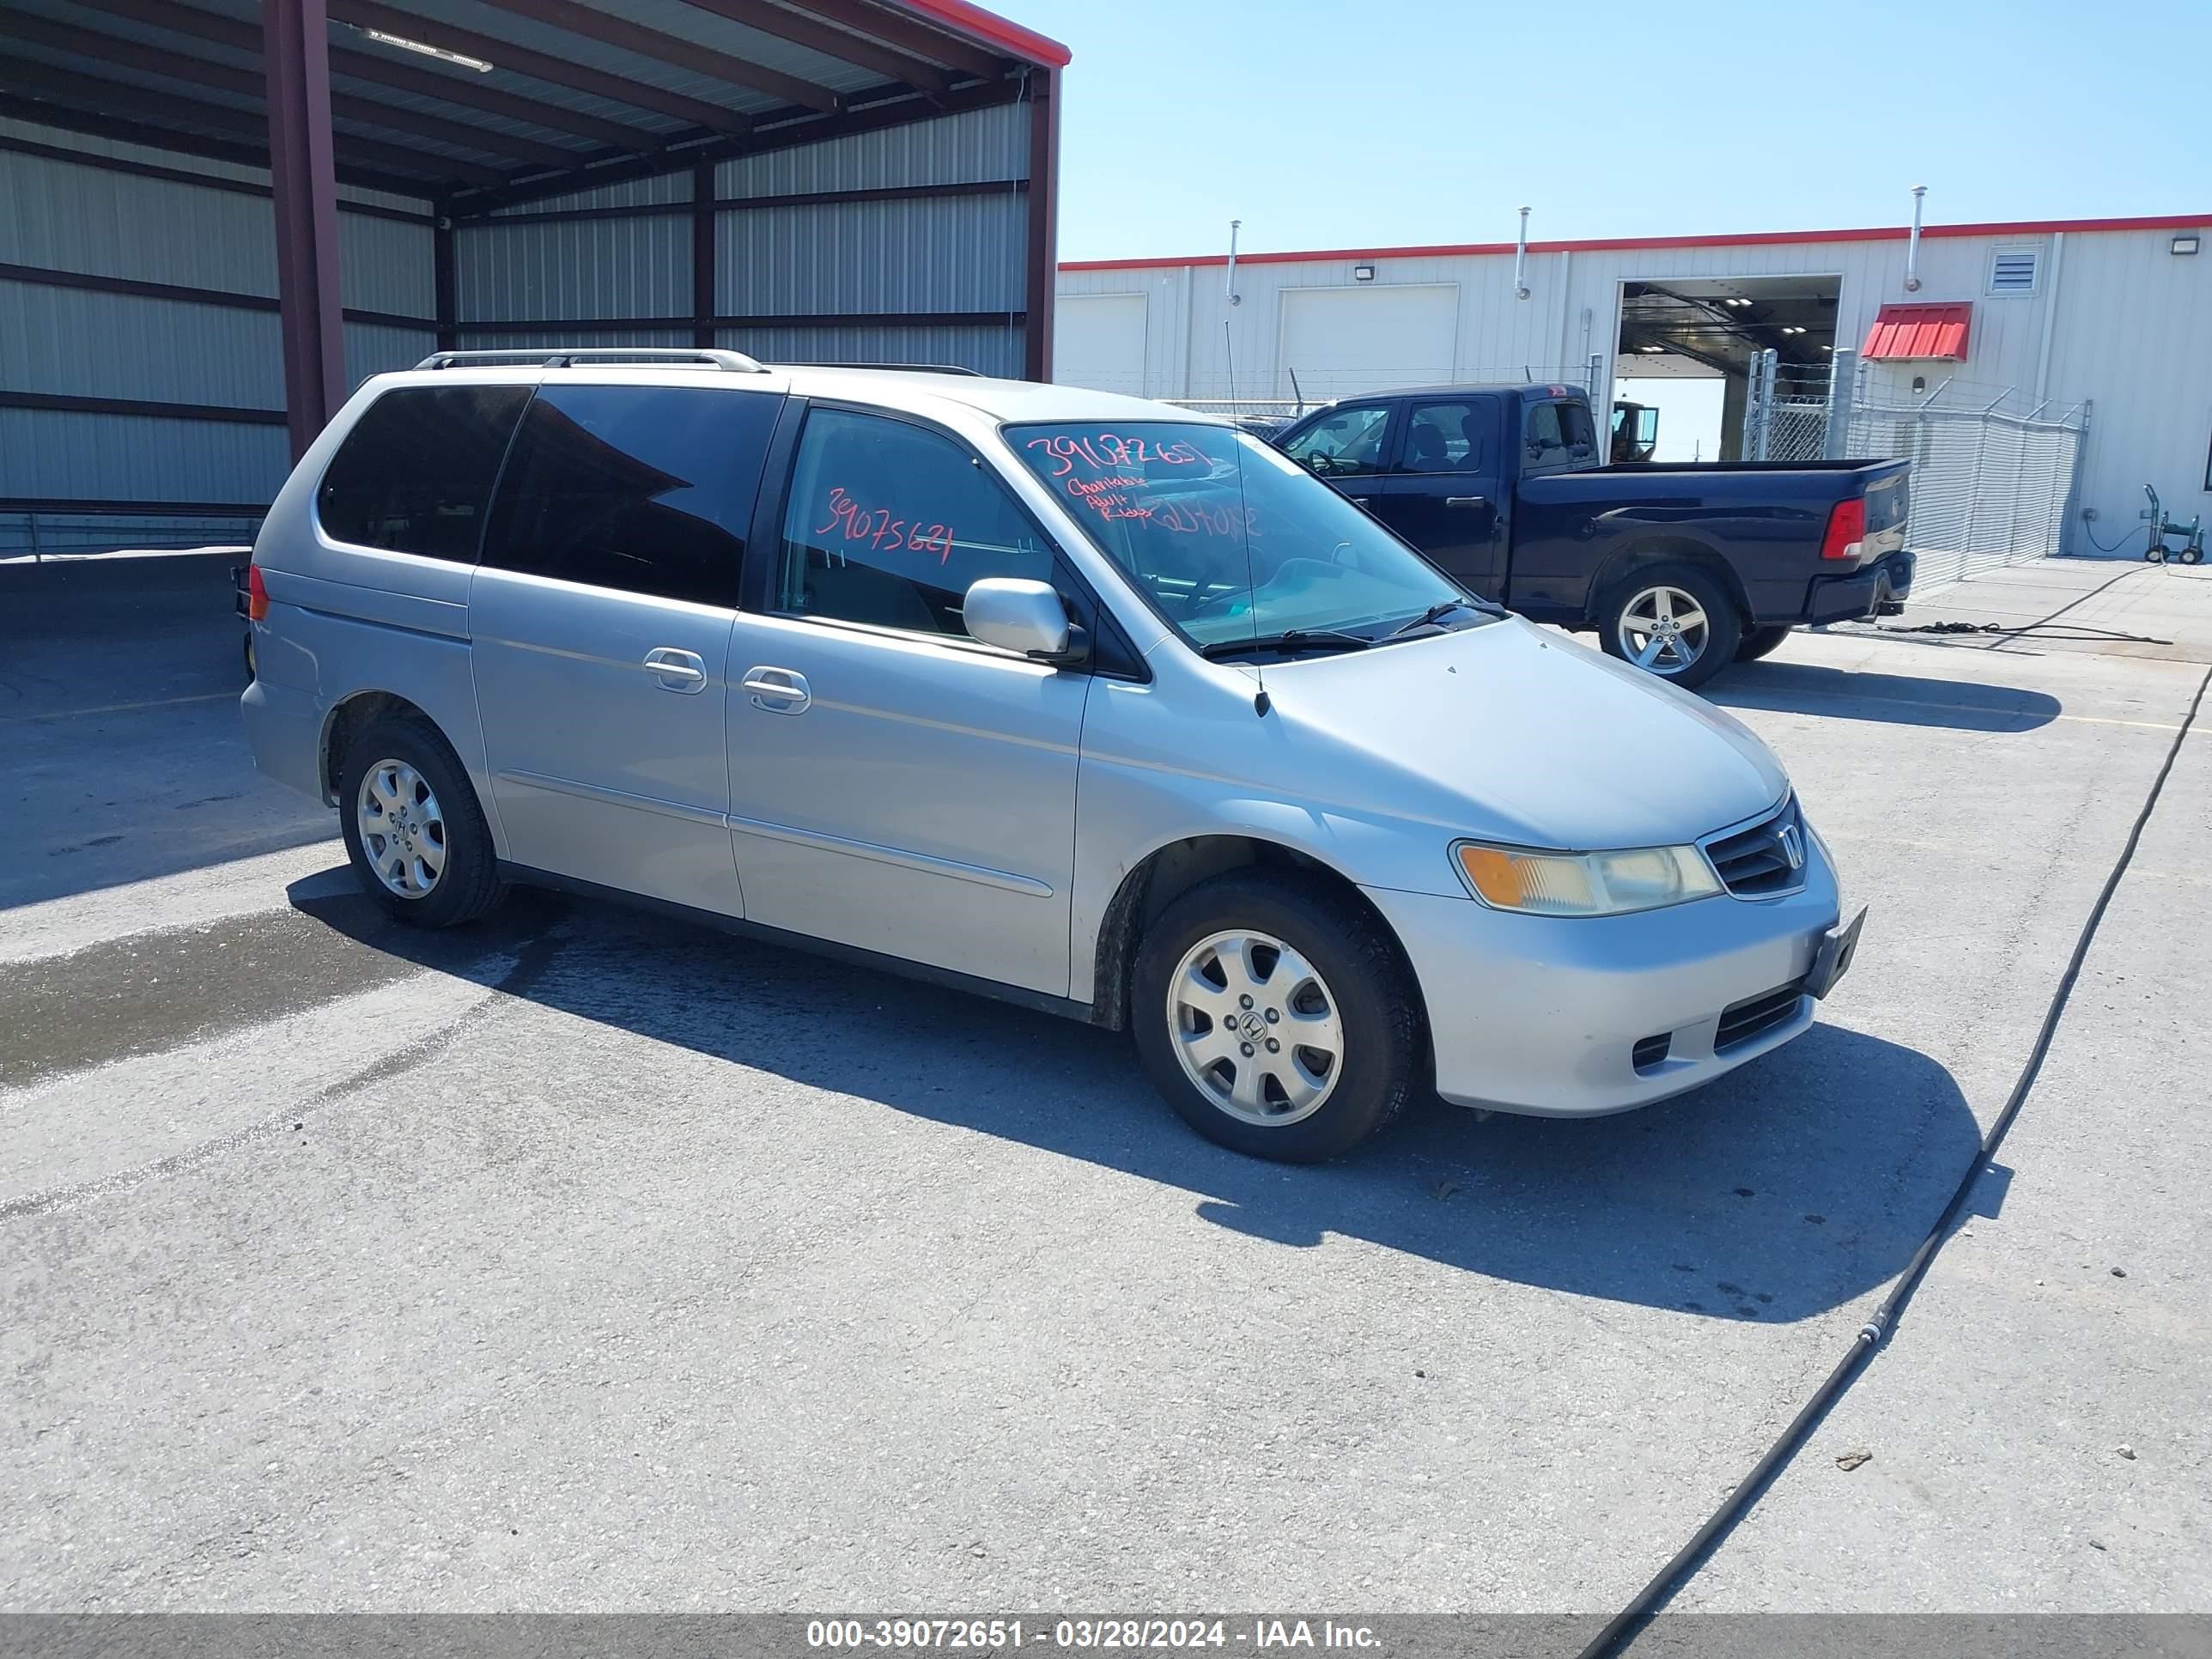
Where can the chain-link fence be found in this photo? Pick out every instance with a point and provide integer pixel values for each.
(1786, 412)
(1992, 473)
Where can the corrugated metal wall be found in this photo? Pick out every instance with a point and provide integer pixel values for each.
(930, 256)
(2129, 325)
(84, 220)
(848, 272)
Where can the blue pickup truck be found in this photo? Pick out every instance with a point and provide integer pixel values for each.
(1679, 568)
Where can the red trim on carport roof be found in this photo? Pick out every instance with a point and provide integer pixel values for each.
(991, 29)
(1616, 243)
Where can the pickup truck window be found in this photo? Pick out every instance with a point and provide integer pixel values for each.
(1344, 443)
(1443, 438)
(1557, 434)
(1226, 537)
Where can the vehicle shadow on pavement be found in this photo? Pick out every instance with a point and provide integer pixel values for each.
(1897, 699)
(1789, 1187)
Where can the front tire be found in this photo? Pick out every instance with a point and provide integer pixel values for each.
(414, 829)
(1762, 643)
(1671, 620)
(1276, 1016)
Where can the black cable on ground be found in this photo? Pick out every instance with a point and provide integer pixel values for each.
(1623, 1625)
(2041, 622)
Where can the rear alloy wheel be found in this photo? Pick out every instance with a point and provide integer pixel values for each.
(413, 831)
(1672, 620)
(1762, 641)
(1276, 1016)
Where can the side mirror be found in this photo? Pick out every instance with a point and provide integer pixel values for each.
(1018, 614)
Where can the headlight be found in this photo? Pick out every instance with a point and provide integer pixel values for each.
(1584, 884)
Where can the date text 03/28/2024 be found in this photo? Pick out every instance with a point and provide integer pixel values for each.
(957, 1635)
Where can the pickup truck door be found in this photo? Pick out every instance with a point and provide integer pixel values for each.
(1556, 542)
(1442, 493)
(1349, 447)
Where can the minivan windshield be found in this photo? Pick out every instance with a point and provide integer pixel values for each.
(1230, 540)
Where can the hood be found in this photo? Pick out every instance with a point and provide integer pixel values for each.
(1511, 732)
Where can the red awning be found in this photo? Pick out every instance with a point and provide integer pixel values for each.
(1906, 331)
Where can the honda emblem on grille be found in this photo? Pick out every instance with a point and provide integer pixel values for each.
(1793, 846)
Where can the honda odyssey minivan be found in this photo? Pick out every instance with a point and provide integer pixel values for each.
(1088, 703)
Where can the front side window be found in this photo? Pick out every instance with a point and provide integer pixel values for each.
(1443, 438)
(889, 523)
(644, 489)
(1229, 539)
(1343, 443)
(416, 470)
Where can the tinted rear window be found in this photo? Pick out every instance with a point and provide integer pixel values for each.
(648, 489)
(416, 472)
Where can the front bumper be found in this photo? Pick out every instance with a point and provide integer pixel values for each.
(1873, 589)
(1549, 1016)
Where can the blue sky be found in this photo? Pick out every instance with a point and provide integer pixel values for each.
(1379, 121)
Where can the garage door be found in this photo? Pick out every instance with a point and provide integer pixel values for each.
(1098, 341)
(1340, 341)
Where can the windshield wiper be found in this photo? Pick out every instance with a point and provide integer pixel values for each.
(1296, 639)
(1435, 613)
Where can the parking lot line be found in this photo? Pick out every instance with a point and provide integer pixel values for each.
(119, 708)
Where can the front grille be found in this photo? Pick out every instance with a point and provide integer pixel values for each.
(1650, 1051)
(1742, 1021)
(1766, 860)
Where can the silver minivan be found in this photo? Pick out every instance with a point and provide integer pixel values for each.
(1089, 703)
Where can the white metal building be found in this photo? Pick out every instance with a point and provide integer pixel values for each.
(2099, 331)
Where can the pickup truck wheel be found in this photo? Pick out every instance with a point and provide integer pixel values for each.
(1761, 642)
(1671, 620)
(1277, 1017)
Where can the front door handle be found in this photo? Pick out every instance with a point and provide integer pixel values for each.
(778, 690)
(1465, 501)
(676, 670)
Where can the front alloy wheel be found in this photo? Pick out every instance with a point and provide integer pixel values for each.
(1255, 1028)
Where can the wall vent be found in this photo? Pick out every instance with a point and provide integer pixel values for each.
(2014, 270)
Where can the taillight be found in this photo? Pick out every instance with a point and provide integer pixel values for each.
(257, 595)
(1846, 530)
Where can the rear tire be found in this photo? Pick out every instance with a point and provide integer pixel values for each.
(1301, 967)
(1762, 643)
(1637, 610)
(414, 829)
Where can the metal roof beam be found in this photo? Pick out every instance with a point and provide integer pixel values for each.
(457, 86)
(836, 43)
(595, 25)
(905, 32)
(251, 155)
(251, 83)
(541, 66)
(104, 97)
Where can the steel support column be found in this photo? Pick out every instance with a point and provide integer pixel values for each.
(441, 278)
(1044, 262)
(295, 54)
(704, 303)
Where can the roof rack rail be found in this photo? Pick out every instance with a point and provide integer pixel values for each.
(734, 362)
(902, 368)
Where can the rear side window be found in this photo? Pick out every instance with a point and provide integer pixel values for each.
(416, 472)
(889, 523)
(648, 489)
(1444, 437)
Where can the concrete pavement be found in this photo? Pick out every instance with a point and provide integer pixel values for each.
(588, 1260)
